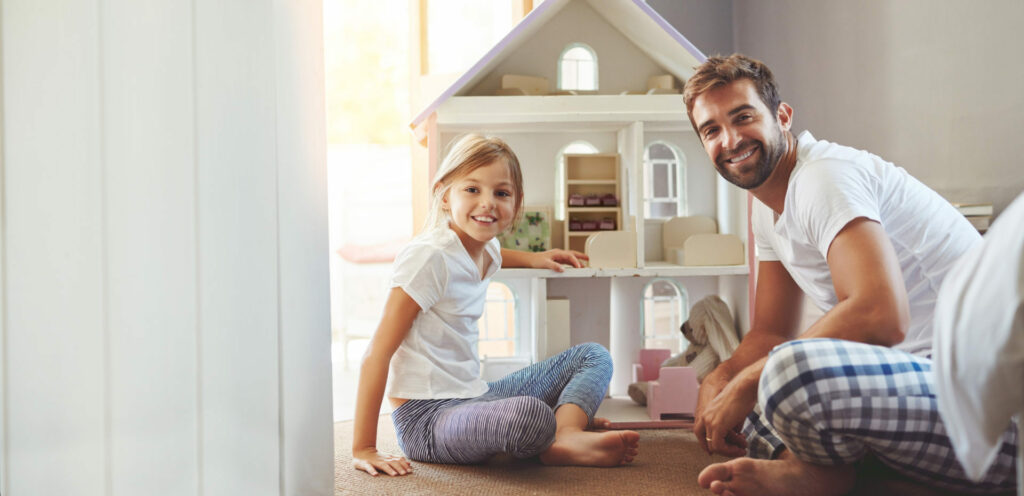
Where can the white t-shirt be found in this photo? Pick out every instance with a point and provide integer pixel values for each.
(832, 185)
(979, 343)
(438, 358)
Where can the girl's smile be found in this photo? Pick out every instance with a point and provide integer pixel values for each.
(481, 204)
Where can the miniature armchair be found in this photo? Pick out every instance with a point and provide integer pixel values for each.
(650, 364)
(674, 393)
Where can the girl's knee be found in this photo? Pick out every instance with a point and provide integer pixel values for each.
(531, 425)
(593, 353)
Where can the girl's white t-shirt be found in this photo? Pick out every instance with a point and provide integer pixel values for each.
(438, 358)
(832, 185)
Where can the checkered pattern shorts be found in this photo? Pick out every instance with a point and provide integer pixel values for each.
(832, 402)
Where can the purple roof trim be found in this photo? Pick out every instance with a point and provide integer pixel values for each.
(471, 73)
(671, 30)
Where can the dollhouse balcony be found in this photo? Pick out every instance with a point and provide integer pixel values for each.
(527, 112)
(651, 269)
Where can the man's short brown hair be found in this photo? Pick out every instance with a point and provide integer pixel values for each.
(720, 71)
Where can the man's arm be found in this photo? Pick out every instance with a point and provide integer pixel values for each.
(872, 308)
(872, 298)
(777, 311)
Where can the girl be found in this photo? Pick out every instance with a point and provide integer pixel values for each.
(443, 412)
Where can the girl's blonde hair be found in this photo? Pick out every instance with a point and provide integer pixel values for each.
(468, 153)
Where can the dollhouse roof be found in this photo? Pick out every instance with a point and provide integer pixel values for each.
(636, 20)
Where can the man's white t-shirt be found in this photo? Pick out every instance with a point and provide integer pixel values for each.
(438, 358)
(832, 185)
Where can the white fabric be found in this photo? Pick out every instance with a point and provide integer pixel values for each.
(832, 185)
(438, 358)
(979, 342)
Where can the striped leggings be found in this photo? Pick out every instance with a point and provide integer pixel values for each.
(832, 402)
(515, 416)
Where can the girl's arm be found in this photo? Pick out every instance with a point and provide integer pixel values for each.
(399, 312)
(551, 259)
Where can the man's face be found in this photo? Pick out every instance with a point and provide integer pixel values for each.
(741, 135)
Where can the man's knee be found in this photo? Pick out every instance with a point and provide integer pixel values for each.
(787, 385)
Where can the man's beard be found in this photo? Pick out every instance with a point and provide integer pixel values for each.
(764, 167)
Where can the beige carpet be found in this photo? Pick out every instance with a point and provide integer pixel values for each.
(669, 462)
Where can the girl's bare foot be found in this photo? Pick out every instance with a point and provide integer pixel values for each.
(599, 424)
(594, 449)
(783, 476)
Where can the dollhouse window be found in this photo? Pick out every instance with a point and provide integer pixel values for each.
(577, 68)
(574, 147)
(497, 325)
(664, 181)
(663, 312)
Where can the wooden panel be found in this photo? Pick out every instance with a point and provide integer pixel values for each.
(238, 252)
(307, 429)
(54, 355)
(148, 137)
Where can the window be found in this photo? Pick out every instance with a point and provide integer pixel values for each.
(498, 322)
(663, 312)
(459, 32)
(577, 68)
(574, 147)
(664, 181)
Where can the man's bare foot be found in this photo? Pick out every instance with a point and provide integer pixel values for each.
(783, 476)
(593, 449)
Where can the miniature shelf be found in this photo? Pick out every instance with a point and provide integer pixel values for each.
(591, 175)
(591, 181)
(655, 269)
(593, 209)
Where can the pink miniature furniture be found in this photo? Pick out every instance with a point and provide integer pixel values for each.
(650, 364)
(674, 393)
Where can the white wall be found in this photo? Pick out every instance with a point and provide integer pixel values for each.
(165, 323)
(933, 86)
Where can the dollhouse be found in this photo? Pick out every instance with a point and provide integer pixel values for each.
(605, 75)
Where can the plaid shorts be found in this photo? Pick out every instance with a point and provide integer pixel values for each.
(832, 402)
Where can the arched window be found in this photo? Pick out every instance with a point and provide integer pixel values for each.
(498, 323)
(577, 68)
(663, 312)
(664, 181)
(574, 147)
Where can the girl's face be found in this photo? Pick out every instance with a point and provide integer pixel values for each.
(482, 204)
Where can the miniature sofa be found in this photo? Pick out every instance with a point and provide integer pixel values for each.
(673, 394)
(671, 391)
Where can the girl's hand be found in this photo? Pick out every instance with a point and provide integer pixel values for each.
(370, 460)
(553, 259)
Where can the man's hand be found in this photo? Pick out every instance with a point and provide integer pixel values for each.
(370, 460)
(720, 414)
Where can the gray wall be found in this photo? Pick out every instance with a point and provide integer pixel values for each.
(933, 86)
(706, 23)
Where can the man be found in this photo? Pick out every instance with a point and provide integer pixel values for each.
(867, 243)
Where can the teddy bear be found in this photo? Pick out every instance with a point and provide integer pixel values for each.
(712, 336)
